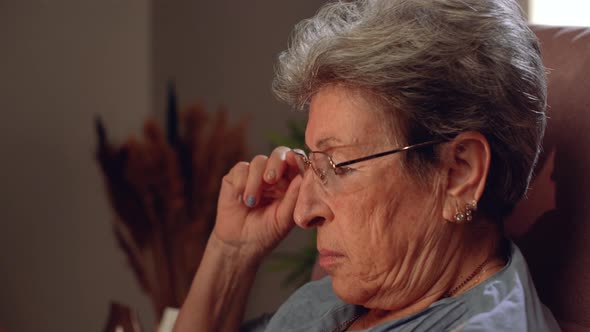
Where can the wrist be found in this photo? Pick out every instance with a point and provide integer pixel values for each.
(219, 291)
(234, 254)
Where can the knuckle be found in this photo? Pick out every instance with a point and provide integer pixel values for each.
(229, 177)
(242, 164)
(226, 181)
(259, 158)
(239, 170)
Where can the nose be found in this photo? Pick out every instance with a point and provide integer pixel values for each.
(311, 210)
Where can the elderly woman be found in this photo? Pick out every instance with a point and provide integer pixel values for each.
(425, 121)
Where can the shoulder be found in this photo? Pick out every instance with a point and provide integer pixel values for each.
(508, 301)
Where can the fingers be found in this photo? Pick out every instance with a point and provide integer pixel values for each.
(284, 212)
(236, 179)
(294, 159)
(267, 175)
(264, 176)
(254, 181)
(275, 167)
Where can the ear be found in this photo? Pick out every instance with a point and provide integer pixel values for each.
(466, 163)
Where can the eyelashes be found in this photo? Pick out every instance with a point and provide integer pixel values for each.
(343, 171)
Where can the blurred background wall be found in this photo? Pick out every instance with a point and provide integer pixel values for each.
(61, 63)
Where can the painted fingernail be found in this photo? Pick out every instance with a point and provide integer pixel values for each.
(270, 175)
(251, 201)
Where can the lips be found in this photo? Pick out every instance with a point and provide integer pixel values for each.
(328, 259)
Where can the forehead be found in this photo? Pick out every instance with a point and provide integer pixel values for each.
(340, 116)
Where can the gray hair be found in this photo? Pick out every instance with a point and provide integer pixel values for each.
(442, 66)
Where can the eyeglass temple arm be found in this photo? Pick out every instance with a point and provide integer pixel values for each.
(386, 153)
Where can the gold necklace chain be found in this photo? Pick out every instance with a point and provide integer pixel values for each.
(475, 273)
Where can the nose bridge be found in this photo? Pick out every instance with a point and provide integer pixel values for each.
(310, 206)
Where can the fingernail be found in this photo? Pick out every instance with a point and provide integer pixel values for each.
(270, 175)
(299, 151)
(251, 201)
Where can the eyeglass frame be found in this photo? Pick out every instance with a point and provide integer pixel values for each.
(340, 166)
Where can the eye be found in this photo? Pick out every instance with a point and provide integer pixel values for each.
(344, 170)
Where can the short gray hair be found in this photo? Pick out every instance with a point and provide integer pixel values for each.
(444, 66)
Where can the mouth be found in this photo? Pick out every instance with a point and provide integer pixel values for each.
(328, 259)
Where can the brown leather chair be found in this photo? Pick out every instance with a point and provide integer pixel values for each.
(552, 226)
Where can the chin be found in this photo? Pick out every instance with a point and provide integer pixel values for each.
(350, 290)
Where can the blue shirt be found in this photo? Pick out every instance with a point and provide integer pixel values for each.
(507, 301)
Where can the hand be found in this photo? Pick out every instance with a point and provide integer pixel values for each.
(256, 202)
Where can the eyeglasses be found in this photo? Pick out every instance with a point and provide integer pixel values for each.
(326, 169)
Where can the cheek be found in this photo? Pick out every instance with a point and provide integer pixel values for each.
(372, 247)
(379, 226)
(367, 231)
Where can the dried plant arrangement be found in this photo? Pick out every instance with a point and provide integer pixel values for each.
(163, 190)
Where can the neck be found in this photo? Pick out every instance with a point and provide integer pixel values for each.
(481, 256)
(472, 252)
